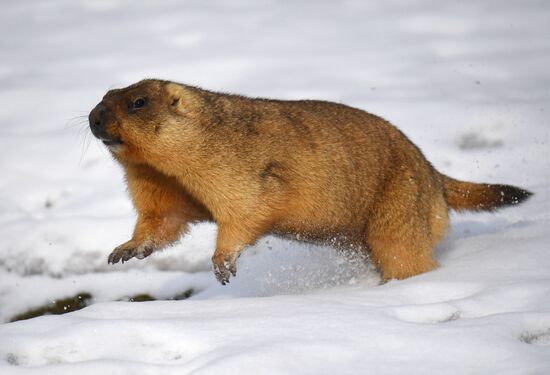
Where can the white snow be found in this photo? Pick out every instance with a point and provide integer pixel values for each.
(466, 81)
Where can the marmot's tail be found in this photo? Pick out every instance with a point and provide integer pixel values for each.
(462, 195)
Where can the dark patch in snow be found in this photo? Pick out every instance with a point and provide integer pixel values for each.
(56, 307)
(144, 297)
(536, 338)
(476, 141)
(12, 359)
(81, 300)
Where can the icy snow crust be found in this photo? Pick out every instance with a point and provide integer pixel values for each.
(467, 81)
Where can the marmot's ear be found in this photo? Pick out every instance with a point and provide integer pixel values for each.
(174, 94)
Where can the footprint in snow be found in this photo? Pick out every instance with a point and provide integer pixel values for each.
(429, 314)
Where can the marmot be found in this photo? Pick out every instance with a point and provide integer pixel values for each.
(307, 169)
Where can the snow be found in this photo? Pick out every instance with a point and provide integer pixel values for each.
(466, 81)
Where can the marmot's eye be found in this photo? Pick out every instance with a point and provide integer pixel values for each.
(138, 103)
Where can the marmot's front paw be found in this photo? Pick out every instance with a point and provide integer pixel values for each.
(224, 266)
(128, 251)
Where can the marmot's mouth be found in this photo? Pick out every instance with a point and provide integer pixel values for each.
(111, 142)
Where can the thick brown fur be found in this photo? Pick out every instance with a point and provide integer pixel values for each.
(314, 170)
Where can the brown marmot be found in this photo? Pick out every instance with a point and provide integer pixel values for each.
(313, 170)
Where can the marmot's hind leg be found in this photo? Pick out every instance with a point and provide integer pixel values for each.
(403, 232)
(401, 257)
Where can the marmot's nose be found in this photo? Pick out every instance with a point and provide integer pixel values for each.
(97, 120)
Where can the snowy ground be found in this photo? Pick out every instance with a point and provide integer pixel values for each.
(467, 81)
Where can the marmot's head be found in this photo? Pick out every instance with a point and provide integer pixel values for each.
(144, 116)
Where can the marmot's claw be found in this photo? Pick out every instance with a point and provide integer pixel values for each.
(233, 268)
(125, 254)
(222, 274)
(223, 270)
(114, 257)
